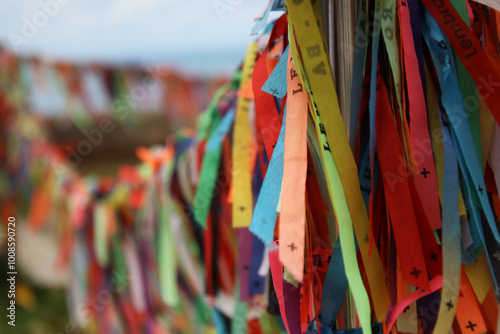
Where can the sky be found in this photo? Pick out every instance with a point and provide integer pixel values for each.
(198, 36)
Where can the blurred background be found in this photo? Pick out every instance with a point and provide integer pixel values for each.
(118, 74)
(104, 46)
(202, 37)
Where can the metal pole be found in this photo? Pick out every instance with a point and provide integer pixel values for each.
(332, 39)
(345, 55)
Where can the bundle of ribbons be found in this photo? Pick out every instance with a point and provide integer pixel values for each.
(282, 213)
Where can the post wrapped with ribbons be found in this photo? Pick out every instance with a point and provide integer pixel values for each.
(270, 217)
